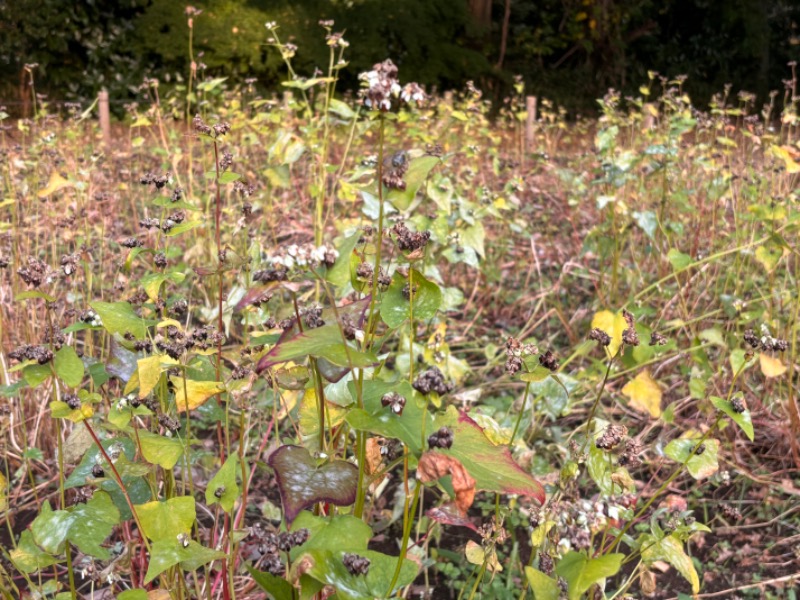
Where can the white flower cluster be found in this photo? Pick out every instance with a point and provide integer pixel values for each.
(380, 85)
(302, 255)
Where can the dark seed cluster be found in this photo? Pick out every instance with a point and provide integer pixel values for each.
(312, 317)
(600, 336)
(657, 339)
(41, 354)
(409, 291)
(549, 361)
(72, 401)
(394, 169)
(737, 404)
(159, 181)
(408, 240)
(432, 380)
(766, 342)
(355, 564)
(169, 423)
(441, 439)
(34, 273)
(270, 274)
(395, 401)
(515, 351)
(612, 436)
(629, 335)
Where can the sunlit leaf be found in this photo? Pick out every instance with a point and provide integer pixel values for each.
(742, 419)
(150, 369)
(55, 184)
(118, 317)
(418, 170)
(644, 394)
(771, 366)
(165, 520)
(160, 450)
(190, 394)
(702, 462)
(28, 557)
(613, 324)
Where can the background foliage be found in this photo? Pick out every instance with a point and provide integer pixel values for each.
(569, 50)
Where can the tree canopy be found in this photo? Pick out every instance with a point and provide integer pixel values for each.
(568, 50)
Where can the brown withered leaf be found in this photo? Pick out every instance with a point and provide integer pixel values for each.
(374, 459)
(434, 465)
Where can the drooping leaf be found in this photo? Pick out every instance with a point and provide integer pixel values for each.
(478, 555)
(165, 520)
(150, 369)
(84, 525)
(168, 553)
(422, 304)
(644, 394)
(670, 549)
(55, 184)
(418, 170)
(611, 480)
(701, 463)
(581, 572)
(327, 566)
(742, 419)
(223, 487)
(434, 465)
(771, 366)
(277, 587)
(339, 273)
(160, 450)
(190, 394)
(543, 587)
(302, 482)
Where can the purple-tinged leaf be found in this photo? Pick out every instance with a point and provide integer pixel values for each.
(302, 482)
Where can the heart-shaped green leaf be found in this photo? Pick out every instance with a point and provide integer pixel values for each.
(69, 366)
(168, 553)
(327, 566)
(396, 307)
(84, 525)
(118, 317)
(160, 450)
(302, 482)
(167, 520)
(701, 463)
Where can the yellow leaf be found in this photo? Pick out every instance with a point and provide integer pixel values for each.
(477, 555)
(132, 384)
(56, 183)
(309, 414)
(149, 370)
(644, 394)
(613, 325)
(770, 366)
(786, 153)
(194, 393)
(3, 496)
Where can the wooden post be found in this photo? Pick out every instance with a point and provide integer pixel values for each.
(288, 98)
(530, 122)
(105, 117)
